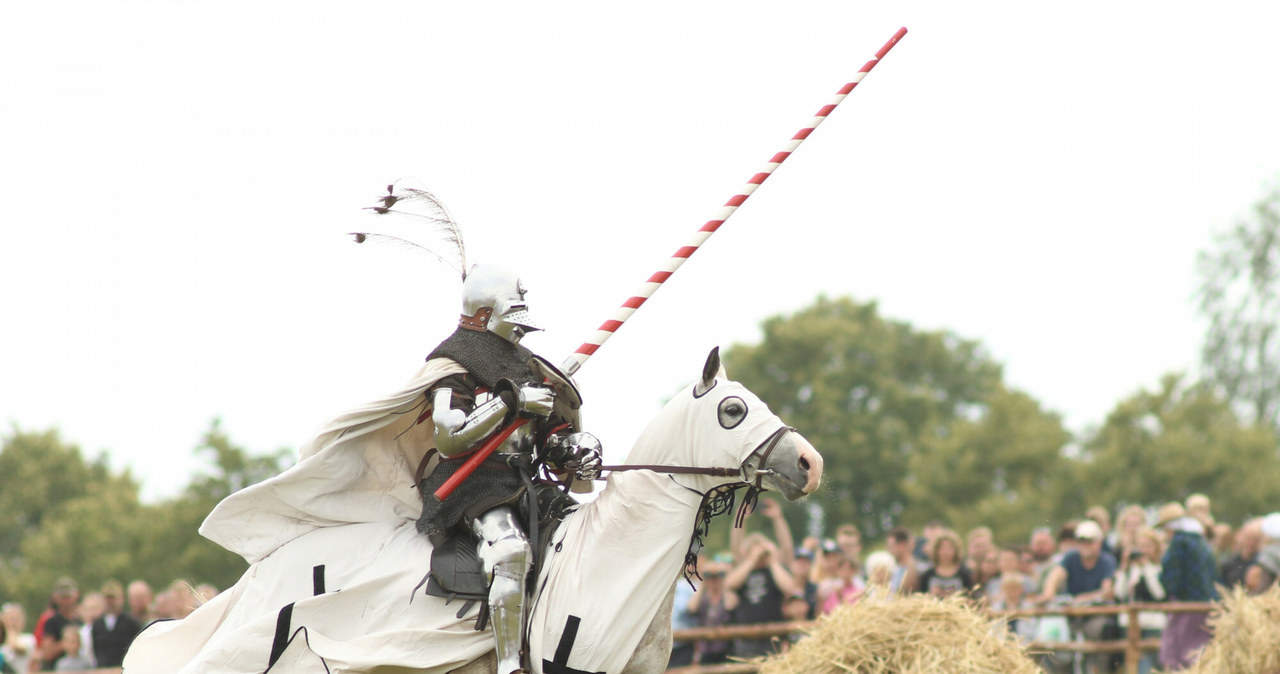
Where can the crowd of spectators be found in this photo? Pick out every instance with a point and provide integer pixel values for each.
(1176, 552)
(91, 631)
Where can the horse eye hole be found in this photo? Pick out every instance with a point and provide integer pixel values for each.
(732, 411)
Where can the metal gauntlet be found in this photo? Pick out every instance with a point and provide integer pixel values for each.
(578, 452)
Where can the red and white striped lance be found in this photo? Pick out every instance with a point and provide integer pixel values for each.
(609, 327)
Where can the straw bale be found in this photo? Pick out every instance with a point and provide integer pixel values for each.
(1246, 635)
(908, 634)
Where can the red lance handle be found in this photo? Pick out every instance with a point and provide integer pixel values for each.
(477, 458)
(606, 329)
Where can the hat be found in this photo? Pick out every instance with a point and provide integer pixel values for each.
(1169, 512)
(65, 586)
(1088, 530)
(1271, 526)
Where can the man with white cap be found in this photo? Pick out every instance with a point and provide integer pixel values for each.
(1187, 572)
(1264, 571)
(1086, 574)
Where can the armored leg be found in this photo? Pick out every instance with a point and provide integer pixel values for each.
(507, 556)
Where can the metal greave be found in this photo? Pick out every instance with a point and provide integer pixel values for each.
(507, 557)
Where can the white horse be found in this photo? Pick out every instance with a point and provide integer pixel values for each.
(340, 598)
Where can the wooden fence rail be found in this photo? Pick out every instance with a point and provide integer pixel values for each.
(1132, 645)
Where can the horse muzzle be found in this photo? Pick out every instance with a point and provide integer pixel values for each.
(794, 467)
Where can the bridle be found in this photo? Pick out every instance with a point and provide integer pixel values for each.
(751, 474)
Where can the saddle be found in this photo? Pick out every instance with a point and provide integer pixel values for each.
(456, 569)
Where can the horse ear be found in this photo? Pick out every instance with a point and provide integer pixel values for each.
(709, 372)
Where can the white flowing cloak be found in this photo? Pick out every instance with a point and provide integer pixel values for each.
(334, 556)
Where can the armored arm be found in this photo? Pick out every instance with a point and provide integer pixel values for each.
(461, 427)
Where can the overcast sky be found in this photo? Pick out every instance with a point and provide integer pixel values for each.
(177, 178)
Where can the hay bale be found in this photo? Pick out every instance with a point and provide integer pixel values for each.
(1246, 635)
(914, 633)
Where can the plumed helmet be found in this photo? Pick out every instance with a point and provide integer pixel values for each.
(493, 300)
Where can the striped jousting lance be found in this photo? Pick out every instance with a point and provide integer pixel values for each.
(606, 329)
(609, 327)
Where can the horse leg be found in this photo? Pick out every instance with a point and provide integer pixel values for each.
(654, 650)
(485, 664)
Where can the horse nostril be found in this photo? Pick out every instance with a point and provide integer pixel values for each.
(804, 464)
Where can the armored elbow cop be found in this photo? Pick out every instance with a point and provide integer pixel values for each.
(456, 431)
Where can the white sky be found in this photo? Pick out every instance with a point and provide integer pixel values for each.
(176, 179)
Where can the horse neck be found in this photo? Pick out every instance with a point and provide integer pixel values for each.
(652, 516)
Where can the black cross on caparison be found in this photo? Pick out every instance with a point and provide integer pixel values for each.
(561, 664)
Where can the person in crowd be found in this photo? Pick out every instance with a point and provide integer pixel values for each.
(947, 573)
(1124, 538)
(1008, 560)
(49, 611)
(1066, 540)
(1102, 517)
(986, 575)
(771, 511)
(712, 606)
(18, 646)
(114, 631)
(1245, 547)
(847, 588)
(1011, 595)
(906, 568)
(849, 538)
(931, 531)
(140, 600)
(1201, 508)
(1187, 574)
(1224, 542)
(1262, 574)
(1138, 581)
(761, 580)
(73, 659)
(1085, 574)
(66, 600)
(796, 609)
(880, 567)
(1042, 548)
(205, 592)
(979, 542)
(91, 607)
(825, 560)
(802, 571)
(176, 601)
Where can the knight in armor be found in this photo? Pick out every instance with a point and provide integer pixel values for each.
(503, 382)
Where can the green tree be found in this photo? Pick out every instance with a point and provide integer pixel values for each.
(60, 515)
(1239, 295)
(1179, 439)
(1004, 469)
(174, 549)
(869, 393)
